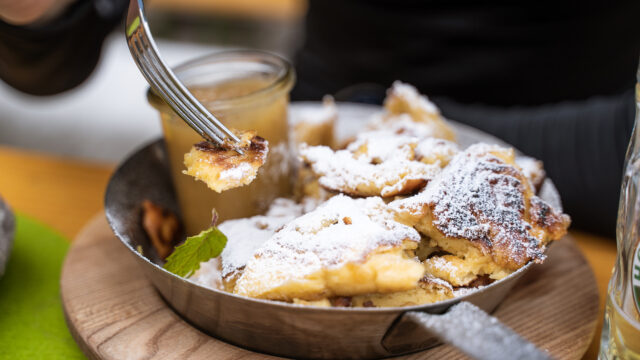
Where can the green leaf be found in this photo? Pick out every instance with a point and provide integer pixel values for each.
(186, 258)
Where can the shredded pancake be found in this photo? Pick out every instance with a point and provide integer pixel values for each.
(409, 113)
(315, 126)
(430, 289)
(435, 151)
(482, 209)
(308, 186)
(400, 216)
(378, 164)
(221, 166)
(246, 235)
(345, 247)
(532, 169)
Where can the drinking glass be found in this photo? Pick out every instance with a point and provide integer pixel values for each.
(621, 331)
(246, 90)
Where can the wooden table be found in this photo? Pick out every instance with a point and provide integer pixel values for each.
(283, 10)
(65, 194)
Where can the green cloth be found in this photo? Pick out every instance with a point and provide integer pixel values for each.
(32, 324)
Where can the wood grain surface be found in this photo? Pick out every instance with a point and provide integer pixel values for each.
(114, 312)
(65, 193)
(61, 192)
(256, 9)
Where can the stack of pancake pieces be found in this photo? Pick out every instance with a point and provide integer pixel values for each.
(398, 216)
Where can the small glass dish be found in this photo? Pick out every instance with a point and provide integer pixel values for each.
(246, 90)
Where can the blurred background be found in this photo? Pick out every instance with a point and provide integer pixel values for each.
(107, 116)
(555, 80)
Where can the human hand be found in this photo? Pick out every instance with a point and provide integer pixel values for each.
(26, 12)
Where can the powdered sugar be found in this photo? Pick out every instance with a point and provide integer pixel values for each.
(209, 274)
(238, 172)
(403, 124)
(283, 207)
(377, 163)
(532, 169)
(246, 235)
(442, 264)
(479, 197)
(437, 281)
(410, 95)
(464, 291)
(280, 159)
(431, 150)
(379, 146)
(340, 231)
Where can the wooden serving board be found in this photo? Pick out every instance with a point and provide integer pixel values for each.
(113, 312)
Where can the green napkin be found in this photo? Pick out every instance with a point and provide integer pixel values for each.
(32, 325)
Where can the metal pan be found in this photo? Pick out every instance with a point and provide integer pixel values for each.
(303, 331)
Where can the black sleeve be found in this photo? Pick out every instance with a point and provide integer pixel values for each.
(57, 56)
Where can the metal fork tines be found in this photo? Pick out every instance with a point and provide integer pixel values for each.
(164, 82)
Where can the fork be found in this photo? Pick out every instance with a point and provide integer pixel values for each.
(165, 83)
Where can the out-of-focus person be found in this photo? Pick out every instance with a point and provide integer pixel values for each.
(553, 78)
(50, 46)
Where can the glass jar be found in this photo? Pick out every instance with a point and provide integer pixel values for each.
(621, 329)
(245, 90)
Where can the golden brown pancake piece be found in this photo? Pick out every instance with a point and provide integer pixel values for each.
(345, 247)
(407, 112)
(482, 209)
(399, 216)
(429, 290)
(221, 167)
(533, 169)
(315, 126)
(378, 164)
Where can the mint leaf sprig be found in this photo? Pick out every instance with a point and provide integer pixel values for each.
(186, 258)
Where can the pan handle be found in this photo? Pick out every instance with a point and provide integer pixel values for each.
(465, 326)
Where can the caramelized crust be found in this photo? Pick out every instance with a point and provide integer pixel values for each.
(482, 209)
(551, 223)
(221, 167)
(161, 226)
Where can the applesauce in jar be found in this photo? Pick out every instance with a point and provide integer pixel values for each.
(245, 90)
